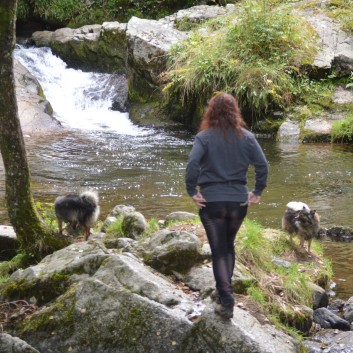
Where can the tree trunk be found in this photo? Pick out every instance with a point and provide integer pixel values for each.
(36, 239)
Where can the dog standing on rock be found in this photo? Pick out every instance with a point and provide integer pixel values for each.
(299, 219)
(77, 209)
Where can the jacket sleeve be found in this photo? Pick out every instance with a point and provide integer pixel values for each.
(258, 160)
(193, 166)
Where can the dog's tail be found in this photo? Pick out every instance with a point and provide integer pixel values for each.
(90, 196)
(296, 206)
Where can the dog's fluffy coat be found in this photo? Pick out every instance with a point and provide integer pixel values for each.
(299, 219)
(77, 209)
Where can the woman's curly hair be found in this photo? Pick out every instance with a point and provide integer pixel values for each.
(224, 113)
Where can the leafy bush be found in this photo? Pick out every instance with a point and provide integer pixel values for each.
(255, 55)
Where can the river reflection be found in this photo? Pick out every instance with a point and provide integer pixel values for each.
(147, 172)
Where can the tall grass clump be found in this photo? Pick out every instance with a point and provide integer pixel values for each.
(342, 130)
(256, 55)
(279, 289)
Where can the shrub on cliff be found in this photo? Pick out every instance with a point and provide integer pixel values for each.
(255, 54)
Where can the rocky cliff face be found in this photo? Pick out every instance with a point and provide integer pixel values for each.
(140, 48)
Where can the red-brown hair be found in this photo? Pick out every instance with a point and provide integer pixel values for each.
(224, 113)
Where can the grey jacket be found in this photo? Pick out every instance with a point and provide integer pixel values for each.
(219, 166)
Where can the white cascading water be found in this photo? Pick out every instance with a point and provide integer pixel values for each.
(68, 91)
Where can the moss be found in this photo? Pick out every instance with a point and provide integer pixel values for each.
(43, 291)
(59, 315)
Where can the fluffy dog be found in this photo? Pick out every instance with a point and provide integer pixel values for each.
(77, 209)
(299, 219)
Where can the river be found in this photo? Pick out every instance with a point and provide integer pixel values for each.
(145, 167)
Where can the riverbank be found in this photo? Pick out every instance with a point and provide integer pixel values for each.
(180, 284)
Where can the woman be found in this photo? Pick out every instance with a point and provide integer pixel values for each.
(216, 179)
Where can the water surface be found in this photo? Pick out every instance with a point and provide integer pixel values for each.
(145, 168)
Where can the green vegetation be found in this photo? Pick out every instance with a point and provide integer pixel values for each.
(283, 292)
(17, 262)
(47, 212)
(341, 10)
(342, 131)
(78, 13)
(255, 55)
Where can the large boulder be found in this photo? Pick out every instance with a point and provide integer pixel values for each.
(169, 251)
(34, 111)
(116, 303)
(92, 48)
(335, 46)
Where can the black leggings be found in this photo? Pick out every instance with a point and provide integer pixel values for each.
(222, 221)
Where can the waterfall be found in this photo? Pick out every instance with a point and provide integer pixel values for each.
(80, 100)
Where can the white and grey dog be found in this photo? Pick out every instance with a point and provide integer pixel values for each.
(299, 219)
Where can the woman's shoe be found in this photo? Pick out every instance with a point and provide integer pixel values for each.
(225, 311)
(215, 296)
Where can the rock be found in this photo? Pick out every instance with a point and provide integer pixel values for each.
(91, 47)
(114, 302)
(289, 131)
(318, 126)
(169, 251)
(9, 344)
(34, 111)
(242, 334)
(148, 42)
(343, 96)
(332, 341)
(122, 211)
(336, 46)
(348, 310)
(133, 225)
(9, 243)
(340, 233)
(54, 274)
(320, 296)
(196, 15)
(326, 319)
(180, 216)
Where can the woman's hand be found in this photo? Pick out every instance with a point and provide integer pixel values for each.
(199, 200)
(253, 199)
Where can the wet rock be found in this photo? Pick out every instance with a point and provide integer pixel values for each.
(320, 296)
(289, 131)
(331, 341)
(34, 111)
(90, 48)
(326, 319)
(340, 233)
(348, 310)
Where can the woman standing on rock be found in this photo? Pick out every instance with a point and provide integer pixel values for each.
(216, 179)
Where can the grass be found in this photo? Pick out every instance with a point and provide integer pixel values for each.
(342, 131)
(255, 55)
(279, 290)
